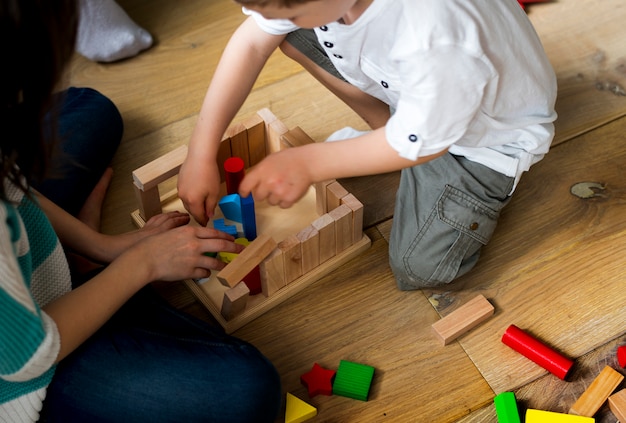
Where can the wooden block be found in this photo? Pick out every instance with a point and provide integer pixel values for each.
(295, 137)
(325, 226)
(239, 143)
(334, 193)
(357, 216)
(309, 239)
(617, 404)
(235, 300)
(273, 273)
(161, 169)
(255, 127)
(463, 319)
(223, 153)
(342, 216)
(321, 203)
(597, 393)
(540, 416)
(274, 130)
(292, 253)
(506, 408)
(298, 411)
(247, 260)
(149, 202)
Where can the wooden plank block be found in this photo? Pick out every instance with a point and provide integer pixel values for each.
(273, 273)
(295, 137)
(463, 319)
(223, 153)
(342, 216)
(235, 300)
(239, 143)
(274, 130)
(161, 169)
(334, 193)
(321, 203)
(357, 215)
(617, 404)
(309, 238)
(325, 226)
(292, 253)
(540, 416)
(597, 393)
(149, 201)
(255, 127)
(247, 260)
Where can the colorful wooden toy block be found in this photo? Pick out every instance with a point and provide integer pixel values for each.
(540, 416)
(339, 231)
(506, 408)
(617, 404)
(537, 352)
(234, 168)
(597, 393)
(523, 3)
(621, 356)
(318, 381)
(353, 380)
(463, 319)
(298, 411)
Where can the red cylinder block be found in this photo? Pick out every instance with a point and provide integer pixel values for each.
(234, 173)
(536, 351)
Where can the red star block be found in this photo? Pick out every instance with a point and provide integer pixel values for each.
(621, 356)
(319, 381)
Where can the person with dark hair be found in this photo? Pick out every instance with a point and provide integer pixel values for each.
(109, 349)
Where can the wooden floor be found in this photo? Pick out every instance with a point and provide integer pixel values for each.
(556, 266)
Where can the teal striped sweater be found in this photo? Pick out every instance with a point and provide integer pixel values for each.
(33, 272)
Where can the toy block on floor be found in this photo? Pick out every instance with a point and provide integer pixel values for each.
(298, 411)
(235, 300)
(506, 408)
(621, 356)
(597, 393)
(537, 351)
(540, 416)
(247, 260)
(353, 380)
(617, 404)
(318, 381)
(463, 319)
(252, 141)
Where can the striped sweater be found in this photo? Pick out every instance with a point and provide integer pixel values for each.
(33, 272)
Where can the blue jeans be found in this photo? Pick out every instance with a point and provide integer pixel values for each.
(153, 363)
(150, 362)
(90, 128)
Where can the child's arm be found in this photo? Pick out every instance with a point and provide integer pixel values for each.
(283, 178)
(240, 64)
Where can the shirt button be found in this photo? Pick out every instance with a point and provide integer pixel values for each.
(474, 226)
(413, 138)
(328, 44)
(324, 28)
(338, 56)
(384, 84)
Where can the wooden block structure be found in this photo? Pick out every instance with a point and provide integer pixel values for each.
(541, 416)
(463, 319)
(617, 404)
(506, 408)
(597, 393)
(298, 411)
(311, 251)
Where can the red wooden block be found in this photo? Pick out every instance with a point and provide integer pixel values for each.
(253, 281)
(523, 3)
(234, 173)
(621, 356)
(319, 381)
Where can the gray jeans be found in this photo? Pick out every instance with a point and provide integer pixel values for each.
(446, 209)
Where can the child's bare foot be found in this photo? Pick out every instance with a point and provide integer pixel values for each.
(91, 212)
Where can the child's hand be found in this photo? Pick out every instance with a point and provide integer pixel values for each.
(281, 178)
(198, 188)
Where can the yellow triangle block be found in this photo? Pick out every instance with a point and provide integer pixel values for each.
(298, 411)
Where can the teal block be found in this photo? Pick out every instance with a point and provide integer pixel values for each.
(231, 207)
(353, 380)
(506, 408)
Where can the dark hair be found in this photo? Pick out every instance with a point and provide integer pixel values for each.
(37, 39)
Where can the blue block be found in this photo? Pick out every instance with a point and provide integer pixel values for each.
(231, 207)
(221, 226)
(248, 217)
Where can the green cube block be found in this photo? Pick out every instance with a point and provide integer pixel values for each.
(353, 380)
(506, 408)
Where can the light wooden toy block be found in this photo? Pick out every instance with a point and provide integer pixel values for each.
(342, 215)
(463, 319)
(292, 253)
(617, 404)
(597, 393)
(298, 411)
(264, 134)
(357, 215)
(334, 193)
(235, 300)
(506, 408)
(247, 260)
(541, 416)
